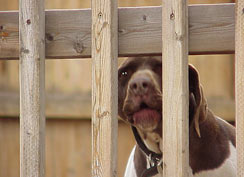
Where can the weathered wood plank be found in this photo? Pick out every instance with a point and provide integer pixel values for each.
(78, 105)
(239, 86)
(58, 105)
(104, 87)
(175, 88)
(68, 32)
(32, 86)
(68, 148)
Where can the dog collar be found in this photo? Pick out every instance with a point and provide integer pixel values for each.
(155, 159)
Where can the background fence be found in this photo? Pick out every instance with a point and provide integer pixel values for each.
(75, 98)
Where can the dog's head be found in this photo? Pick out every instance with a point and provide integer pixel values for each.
(140, 94)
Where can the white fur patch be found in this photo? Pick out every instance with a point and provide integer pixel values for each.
(130, 168)
(227, 169)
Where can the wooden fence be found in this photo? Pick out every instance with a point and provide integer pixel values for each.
(239, 86)
(211, 30)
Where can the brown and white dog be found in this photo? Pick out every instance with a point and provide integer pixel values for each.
(212, 140)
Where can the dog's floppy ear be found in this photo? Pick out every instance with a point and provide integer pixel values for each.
(198, 104)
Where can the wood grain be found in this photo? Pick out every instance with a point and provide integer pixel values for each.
(68, 94)
(104, 88)
(175, 88)
(78, 105)
(68, 147)
(68, 32)
(239, 86)
(32, 86)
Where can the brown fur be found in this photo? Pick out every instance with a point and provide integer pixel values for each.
(140, 161)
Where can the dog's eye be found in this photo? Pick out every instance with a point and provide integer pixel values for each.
(125, 73)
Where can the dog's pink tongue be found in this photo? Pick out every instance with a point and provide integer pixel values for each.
(146, 117)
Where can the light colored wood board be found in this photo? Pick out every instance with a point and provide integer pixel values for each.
(175, 88)
(62, 76)
(68, 148)
(216, 74)
(9, 72)
(224, 108)
(222, 32)
(239, 86)
(9, 147)
(32, 88)
(78, 106)
(68, 92)
(71, 4)
(135, 3)
(68, 32)
(209, 1)
(217, 79)
(68, 76)
(68, 86)
(104, 87)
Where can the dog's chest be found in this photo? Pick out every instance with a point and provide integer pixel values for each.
(227, 169)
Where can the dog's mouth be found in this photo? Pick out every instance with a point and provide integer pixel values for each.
(145, 118)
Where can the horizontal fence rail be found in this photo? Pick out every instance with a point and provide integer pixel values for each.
(68, 32)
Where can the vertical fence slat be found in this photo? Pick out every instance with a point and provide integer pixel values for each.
(175, 88)
(239, 85)
(104, 87)
(32, 85)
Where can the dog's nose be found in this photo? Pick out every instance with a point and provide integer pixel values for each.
(140, 84)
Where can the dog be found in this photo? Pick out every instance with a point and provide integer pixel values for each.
(212, 151)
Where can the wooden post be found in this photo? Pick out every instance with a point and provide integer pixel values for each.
(32, 85)
(104, 87)
(175, 88)
(239, 86)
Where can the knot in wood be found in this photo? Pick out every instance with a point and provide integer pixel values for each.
(28, 132)
(100, 14)
(78, 46)
(178, 37)
(121, 31)
(144, 18)
(4, 34)
(28, 22)
(23, 50)
(102, 115)
(49, 37)
(172, 16)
